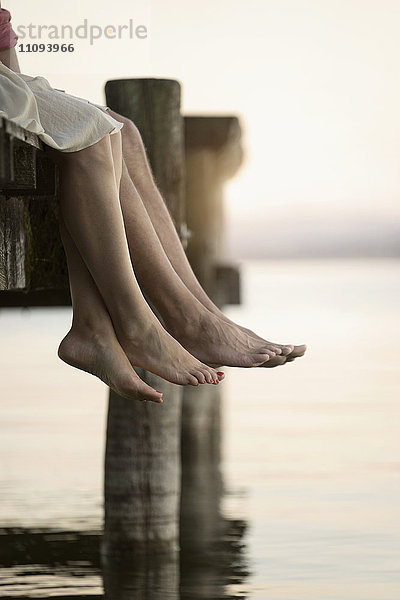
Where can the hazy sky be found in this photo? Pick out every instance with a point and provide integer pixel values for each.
(315, 83)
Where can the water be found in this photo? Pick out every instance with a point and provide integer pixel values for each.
(310, 451)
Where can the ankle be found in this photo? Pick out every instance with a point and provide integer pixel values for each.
(136, 328)
(88, 326)
(184, 322)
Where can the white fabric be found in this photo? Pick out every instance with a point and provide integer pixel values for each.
(65, 122)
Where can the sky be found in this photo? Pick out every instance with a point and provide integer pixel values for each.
(315, 85)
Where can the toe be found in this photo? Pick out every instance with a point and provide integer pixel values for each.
(199, 376)
(214, 377)
(254, 360)
(192, 380)
(298, 351)
(287, 349)
(207, 375)
(221, 375)
(275, 362)
(154, 396)
(160, 397)
(276, 349)
(134, 388)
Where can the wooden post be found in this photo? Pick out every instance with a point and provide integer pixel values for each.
(154, 106)
(213, 154)
(142, 466)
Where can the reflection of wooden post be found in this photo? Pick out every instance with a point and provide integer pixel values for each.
(213, 155)
(142, 469)
(201, 477)
(153, 578)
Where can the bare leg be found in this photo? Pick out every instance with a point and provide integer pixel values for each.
(91, 344)
(140, 173)
(92, 214)
(203, 334)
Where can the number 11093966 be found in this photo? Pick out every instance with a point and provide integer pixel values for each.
(46, 47)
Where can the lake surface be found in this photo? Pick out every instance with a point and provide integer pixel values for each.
(311, 450)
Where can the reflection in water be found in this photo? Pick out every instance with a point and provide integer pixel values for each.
(47, 562)
(67, 564)
(151, 578)
(314, 445)
(211, 546)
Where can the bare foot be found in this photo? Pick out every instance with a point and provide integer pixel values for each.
(288, 350)
(216, 342)
(215, 339)
(149, 346)
(291, 352)
(102, 356)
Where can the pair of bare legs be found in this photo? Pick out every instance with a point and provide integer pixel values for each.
(120, 240)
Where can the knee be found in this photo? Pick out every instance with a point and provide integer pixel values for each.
(129, 131)
(98, 154)
(132, 132)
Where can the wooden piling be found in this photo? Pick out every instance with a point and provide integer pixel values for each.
(213, 154)
(142, 475)
(142, 467)
(154, 106)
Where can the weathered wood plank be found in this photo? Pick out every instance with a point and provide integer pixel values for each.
(6, 156)
(61, 297)
(31, 253)
(19, 133)
(17, 156)
(13, 244)
(46, 264)
(24, 168)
